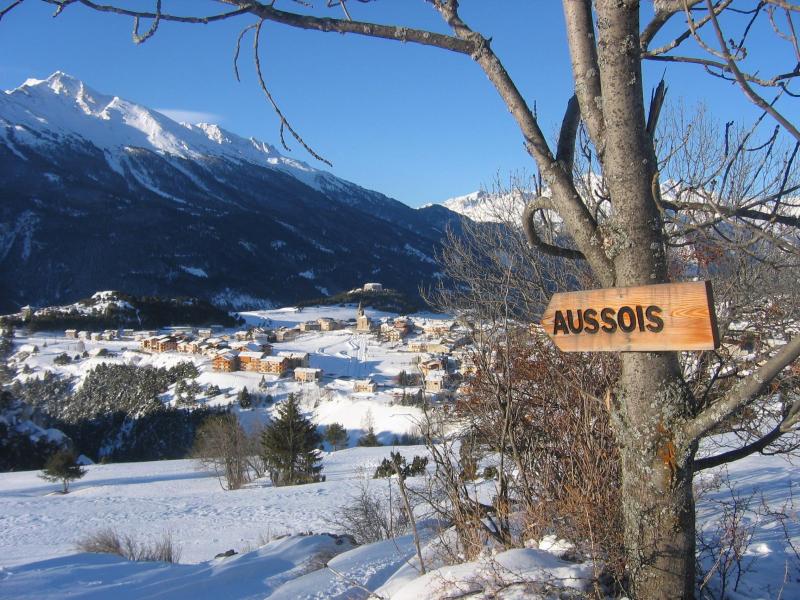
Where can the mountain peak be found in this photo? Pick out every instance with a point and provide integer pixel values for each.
(60, 82)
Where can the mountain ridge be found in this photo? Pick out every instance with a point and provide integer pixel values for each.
(101, 193)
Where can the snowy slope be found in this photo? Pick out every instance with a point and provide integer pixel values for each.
(54, 109)
(38, 532)
(100, 192)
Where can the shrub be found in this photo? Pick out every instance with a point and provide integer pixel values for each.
(62, 359)
(396, 464)
(110, 541)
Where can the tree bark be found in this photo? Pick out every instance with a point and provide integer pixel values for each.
(658, 505)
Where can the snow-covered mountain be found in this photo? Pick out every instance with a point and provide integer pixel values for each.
(99, 192)
(482, 206)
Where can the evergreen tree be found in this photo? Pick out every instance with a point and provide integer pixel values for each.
(62, 466)
(336, 436)
(289, 446)
(245, 400)
(369, 439)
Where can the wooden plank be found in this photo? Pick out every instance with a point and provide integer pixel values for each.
(670, 316)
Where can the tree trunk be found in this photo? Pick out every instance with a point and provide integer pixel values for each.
(658, 504)
(653, 400)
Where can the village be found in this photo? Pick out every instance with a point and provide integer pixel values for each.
(338, 349)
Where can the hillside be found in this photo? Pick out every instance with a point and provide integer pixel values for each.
(101, 193)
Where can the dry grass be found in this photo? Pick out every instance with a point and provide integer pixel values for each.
(110, 541)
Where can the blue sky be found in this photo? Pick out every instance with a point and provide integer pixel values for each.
(417, 124)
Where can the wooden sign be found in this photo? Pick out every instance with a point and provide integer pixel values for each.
(670, 316)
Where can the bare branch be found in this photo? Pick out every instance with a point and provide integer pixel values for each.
(389, 32)
(533, 237)
(782, 428)
(656, 103)
(284, 122)
(61, 4)
(743, 393)
(140, 39)
(10, 7)
(742, 81)
(565, 152)
(567, 202)
(665, 10)
(585, 69)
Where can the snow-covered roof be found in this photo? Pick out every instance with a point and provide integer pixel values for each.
(273, 359)
(307, 370)
(437, 375)
(293, 354)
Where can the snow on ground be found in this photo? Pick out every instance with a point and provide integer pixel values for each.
(149, 499)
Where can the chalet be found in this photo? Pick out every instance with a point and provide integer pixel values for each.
(285, 334)
(309, 326)
(241, 335)
(277, 365)
(436, 381)
(363, 322)
(164, 343)
(468, 366)
(211, 346)
(373, 287)
(307, 375)
(205, 332)
(189, 346)
(71, 333)
(439, 346)
(295, 359)
(84, 335)
(96, 336)
(418, 346)
(328, 324)
(393, 335)
(250, 361)
(434, 364)
(364, 385)
(127, 334)
(226, 361)
(439, 328)
(262, 339)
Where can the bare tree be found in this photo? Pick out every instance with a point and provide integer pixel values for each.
(223, 446)
(658, 418)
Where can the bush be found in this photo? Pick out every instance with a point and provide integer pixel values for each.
(62, 359)
(370, 517)
(110, 541)
(490, 473)
(396, 464)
